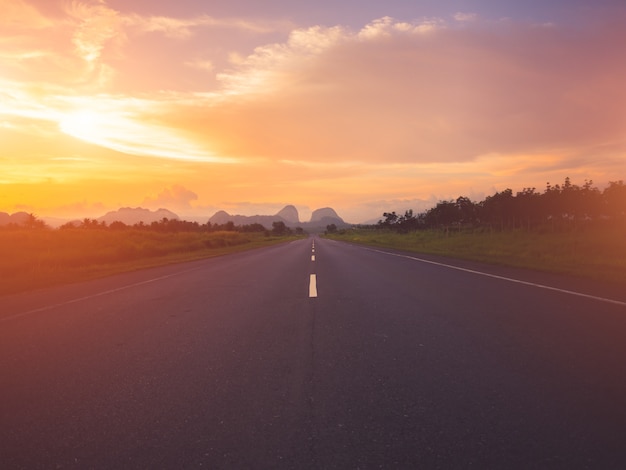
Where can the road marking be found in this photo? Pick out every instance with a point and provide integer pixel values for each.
(313, 286)
(312, 257)
(112, 291)
(93, 296)
(503, 278)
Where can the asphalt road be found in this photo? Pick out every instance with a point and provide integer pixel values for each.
(388, 360)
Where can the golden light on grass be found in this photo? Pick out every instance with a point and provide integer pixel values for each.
(72, 255)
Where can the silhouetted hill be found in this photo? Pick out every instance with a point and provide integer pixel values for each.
(289, 214)
(321, 218)
(132, 216)
(18, 218)
(319, 215)
(221, 217)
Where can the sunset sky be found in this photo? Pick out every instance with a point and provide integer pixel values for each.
(365, 106)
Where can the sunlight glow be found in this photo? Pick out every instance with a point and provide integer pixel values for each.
(124, 134)
(84, 125)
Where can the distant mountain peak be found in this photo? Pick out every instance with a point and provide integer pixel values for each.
(319, 215)
(289, 214)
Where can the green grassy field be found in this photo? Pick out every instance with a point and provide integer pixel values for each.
(595, 252)
(31, 259)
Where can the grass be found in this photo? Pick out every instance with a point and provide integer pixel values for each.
(595, 252)
(31, 259)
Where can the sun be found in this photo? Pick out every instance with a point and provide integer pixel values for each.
(125, 133)
(84, 125)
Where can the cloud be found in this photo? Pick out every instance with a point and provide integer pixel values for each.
(183, 28)
(27, 40)
(81, 209)
(460, 16)
(175, 197)
(94, 46)
(19, 14)
(386, 27)
(273, 65)
(96, 24)
(202, 64)
(119, 130)
(119, 123)
(426, 93)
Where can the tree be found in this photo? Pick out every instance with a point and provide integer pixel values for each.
(467, 210)
(117, 225)
(33, 222)
(390, 220)
(443, 215)
(615, 199)
(92, 224)
(254, 227)
(591, 201)
(331, 228)
(407, 222)
(562, 206)
(279, 228)
(499, 209)
(528, 203)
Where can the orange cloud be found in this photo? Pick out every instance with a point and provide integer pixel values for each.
(434, 95)
(19, 15)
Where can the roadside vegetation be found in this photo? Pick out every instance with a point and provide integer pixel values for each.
(34, 256)
(569, 229)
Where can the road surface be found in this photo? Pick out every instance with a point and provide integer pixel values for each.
(311, 355)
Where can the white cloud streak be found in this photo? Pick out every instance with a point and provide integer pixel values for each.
(183, 28)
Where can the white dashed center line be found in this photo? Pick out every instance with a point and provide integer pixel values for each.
(313, 286)
(503, 278)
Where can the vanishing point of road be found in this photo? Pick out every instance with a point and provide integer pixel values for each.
(315, 354)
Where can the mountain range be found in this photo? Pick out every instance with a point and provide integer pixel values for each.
(320, 218)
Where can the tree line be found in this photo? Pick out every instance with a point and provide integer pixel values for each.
(164, 225)
(557, 207)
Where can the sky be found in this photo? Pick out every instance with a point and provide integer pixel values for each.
(247, 106)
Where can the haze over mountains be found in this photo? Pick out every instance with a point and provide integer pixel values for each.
(18, 218)
(320, 218)
(132, 216)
